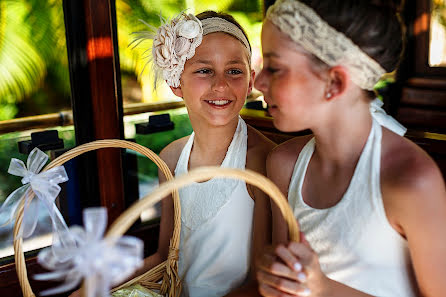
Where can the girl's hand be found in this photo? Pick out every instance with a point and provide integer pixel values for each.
(291, 270)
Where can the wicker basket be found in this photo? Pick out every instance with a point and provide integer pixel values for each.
(163, 277)
(127, 218)
(165, 272)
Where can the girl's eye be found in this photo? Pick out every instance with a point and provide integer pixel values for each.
(235, 71)
(203, 71)
(271, 69)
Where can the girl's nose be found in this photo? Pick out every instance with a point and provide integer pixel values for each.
(219, 82)
(260, 83)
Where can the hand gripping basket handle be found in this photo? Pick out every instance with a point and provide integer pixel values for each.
(91, 146)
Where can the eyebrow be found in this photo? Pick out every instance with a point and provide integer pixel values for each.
(270, 55)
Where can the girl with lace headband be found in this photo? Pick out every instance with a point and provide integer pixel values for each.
(370, 202)
(206, 61)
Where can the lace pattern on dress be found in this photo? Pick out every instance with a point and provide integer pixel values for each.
(306, 28)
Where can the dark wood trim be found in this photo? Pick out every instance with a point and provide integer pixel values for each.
(106, 105)
(97, 107)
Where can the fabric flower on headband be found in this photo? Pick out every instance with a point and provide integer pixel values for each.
(174, 42)
(103, 263)
(43, 184)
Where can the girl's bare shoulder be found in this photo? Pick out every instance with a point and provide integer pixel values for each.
(171, 153)
(259, 146)
(259, 143)
(288, 151)
(411, 181)
(404, 165)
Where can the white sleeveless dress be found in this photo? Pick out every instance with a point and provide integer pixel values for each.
(354, 240)
(216, 226)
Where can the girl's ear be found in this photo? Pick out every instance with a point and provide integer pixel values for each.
(177, 91)
(339, 79)
(251, 81)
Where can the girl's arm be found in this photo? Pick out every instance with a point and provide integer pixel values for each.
(415, 201)
(166, 222)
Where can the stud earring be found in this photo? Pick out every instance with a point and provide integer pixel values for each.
(328, 95)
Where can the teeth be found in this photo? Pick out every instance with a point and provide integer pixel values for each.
(219, 102)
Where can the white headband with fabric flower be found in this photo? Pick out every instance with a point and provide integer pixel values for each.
(175, 42)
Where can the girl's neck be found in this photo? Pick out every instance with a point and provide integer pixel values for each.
(211, 143)
(341, 137)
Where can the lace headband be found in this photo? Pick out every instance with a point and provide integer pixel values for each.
(216, 24)
(175, 42)
(306, 28)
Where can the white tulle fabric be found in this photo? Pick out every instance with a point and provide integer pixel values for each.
(103, 263)
(306, 28)
(216, 226)
(174, 42)
(355, 243)
(45, 187)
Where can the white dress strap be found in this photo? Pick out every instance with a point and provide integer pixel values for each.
(384, 119)
(196, 207)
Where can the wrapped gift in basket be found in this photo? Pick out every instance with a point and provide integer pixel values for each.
(162, 278)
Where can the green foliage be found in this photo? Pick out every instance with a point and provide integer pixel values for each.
(32, 46)
(439, 11)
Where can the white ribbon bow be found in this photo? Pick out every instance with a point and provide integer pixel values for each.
(384, 119)
(102, 262)
(44, 185)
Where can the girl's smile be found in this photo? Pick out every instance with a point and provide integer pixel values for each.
(216, 80)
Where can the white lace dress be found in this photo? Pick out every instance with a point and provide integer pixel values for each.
(216, 226)
(355, 242)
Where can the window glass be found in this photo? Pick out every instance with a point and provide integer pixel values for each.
(34, 76)
(8, 183)
(147, 171)
(34, 80)
(437, 47)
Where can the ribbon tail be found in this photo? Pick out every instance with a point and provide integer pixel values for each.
(30, 217)
(11, 204)
(66, 286)
(62, 237)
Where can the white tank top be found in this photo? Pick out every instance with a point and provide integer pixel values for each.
(216, 226)
(355, 242)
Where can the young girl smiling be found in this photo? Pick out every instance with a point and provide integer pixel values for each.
(220, 223)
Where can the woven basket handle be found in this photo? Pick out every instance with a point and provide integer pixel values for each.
(79, 150)
(128, 217)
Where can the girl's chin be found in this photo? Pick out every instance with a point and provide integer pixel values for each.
(285, 126)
